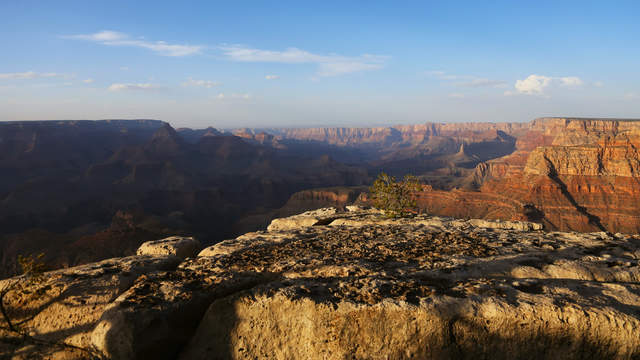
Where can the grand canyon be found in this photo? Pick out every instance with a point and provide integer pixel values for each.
(82, 191)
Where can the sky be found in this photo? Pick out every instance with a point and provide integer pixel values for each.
(230, 64)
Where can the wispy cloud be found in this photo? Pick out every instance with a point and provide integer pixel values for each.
(125, 87)
(27, 75)
(272, 77)
(203, 83)
(88, 81)
(442, 75)
(571, 81)
(114, 38)
(328, 65)
(482, 82)
(341, 68)
(465, 80)
(223, 96)
(537, 84)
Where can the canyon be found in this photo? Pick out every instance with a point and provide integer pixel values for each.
(82, 191)
(569, 174)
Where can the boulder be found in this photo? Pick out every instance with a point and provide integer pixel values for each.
(179, 246)
(157, 316)
(245, 241)
(310, 218)
(64, 306)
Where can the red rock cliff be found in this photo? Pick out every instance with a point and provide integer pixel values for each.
(568, 173)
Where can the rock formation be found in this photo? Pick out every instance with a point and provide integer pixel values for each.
(569, 173)
(330, 284)
(71, 183)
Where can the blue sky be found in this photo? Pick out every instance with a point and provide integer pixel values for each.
(280, 63)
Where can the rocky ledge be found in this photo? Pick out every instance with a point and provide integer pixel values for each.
(332, 284)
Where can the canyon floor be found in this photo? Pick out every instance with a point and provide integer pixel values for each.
(330, 284)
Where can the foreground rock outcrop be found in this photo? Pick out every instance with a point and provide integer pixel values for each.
(333, 284)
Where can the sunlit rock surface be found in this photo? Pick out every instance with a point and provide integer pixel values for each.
(570, 174)
(353, 285)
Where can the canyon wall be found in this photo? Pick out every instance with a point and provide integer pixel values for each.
(570, 173)
(412, 134)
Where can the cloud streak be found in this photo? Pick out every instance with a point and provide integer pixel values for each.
(571, 81)
(126, 87)
(482, 82)
(200, 83)
(328, 65)
(466, 80)
(223, 96)
(28, 75)
(114, 38)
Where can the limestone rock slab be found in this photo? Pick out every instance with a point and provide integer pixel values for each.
(179, 246)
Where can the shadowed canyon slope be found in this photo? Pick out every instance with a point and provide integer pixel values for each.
(328, 284)
(82, 191)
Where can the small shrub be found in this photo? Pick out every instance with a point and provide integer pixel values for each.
(32, 267)
(395, 197)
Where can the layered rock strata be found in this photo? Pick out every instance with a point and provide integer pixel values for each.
(335, 284)
(568, 173)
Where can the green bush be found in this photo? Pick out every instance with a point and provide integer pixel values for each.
(396, 198)
(33, 267)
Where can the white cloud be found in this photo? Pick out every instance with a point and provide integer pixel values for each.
(204, 83)
(30, 75)
(222, 96)
(272, 77)
(571, 81)
(121, 87)
(329, 65)
(104, 35)
(88, 81)
(536, 84)
(533, 84)
(114, 38)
